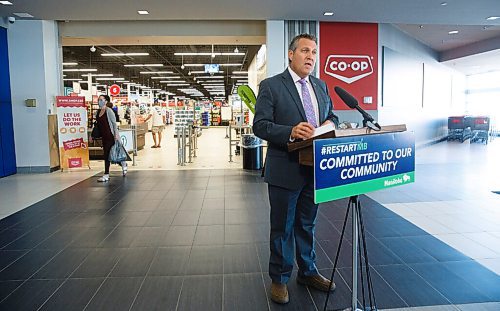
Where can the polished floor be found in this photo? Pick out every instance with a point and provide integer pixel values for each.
(197, 240)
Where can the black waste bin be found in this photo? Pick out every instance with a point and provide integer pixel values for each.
(252, 152)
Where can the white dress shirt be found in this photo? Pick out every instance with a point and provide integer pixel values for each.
(296, 79)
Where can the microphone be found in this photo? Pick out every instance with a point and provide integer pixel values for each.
(350, 101)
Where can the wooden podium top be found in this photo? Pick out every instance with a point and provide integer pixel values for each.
(305, 146)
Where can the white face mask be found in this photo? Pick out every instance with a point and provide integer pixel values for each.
(101, 102)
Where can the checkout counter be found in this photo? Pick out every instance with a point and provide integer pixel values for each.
(95, 148)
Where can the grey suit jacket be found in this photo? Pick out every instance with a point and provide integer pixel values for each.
(277, 111)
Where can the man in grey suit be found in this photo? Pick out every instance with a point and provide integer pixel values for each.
(289, 107)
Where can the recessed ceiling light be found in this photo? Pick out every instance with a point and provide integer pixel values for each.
(453, 32)
(328, 13)
(444, 3)
(143, 12)
(24, 15)
(6, 2)
(492, 18)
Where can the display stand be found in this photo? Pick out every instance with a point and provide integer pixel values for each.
(306, 157)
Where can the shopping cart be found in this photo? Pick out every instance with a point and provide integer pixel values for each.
(480, 129)
(459, 128)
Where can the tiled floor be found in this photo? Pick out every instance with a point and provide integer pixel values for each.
(212, 152)
(197, 240)
(21, 190)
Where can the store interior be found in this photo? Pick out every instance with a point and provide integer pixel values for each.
(193, 87)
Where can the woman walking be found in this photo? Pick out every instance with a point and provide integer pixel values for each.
(106, 121)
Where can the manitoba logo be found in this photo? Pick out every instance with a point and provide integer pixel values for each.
(348, 68)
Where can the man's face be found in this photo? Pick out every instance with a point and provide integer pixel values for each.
(304, 57)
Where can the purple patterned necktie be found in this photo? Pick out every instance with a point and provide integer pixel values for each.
(307, 103)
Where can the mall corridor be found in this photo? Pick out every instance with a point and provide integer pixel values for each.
(197, 240)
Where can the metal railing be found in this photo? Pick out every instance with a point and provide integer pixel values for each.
(187, 144)
(235, 142)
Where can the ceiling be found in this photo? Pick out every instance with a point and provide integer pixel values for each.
(426, 20)
(177, 80)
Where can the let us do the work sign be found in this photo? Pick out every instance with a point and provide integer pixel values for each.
(349, 166)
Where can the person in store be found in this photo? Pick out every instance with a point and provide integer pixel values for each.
(158, 118)
(106, 121)
(289, 107)
(115, 110)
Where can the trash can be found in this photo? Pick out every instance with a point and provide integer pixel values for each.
(252, 152)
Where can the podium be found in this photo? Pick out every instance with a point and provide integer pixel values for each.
(351, 162)
(305, 147)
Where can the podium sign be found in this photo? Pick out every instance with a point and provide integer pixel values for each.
(348, 166)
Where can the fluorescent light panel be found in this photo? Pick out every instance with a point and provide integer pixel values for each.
(124, 54)
(98, 75)
(74, 69)
(171, 77)
(70, 64)
(239, 72)
(201, 71)
(492, 18)
(143, 65)
(6, 2)
(23, 15)
(154, 72)
(209, 54)
(143, 12)
(110, 79)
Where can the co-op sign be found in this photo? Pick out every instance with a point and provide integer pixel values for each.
(349, 68)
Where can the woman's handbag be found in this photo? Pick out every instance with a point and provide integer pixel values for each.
(117, 153)
(96, 132)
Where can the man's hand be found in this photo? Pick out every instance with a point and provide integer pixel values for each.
(303, 130)
(328, 121)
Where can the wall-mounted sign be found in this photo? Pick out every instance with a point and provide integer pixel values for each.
(349, 59)
(114, 90)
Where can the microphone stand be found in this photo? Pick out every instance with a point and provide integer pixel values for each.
(371, 124)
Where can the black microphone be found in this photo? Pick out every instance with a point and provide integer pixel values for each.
(350, 101)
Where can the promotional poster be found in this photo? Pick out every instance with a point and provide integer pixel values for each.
(72, 128)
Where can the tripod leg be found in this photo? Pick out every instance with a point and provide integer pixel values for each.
(361, 269)
(338, 251)
(371, 293)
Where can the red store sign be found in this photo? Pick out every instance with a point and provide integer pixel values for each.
(349, 59)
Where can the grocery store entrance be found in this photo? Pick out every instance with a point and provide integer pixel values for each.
(168, 84)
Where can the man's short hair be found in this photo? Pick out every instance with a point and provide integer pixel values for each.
(293, 44)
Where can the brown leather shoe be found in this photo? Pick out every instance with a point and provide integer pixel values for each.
(316, 281)
(279, 293)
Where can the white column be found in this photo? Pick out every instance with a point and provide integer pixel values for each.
(35, 61)
(276, 49)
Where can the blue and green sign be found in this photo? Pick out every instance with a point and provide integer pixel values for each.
(349, 166)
